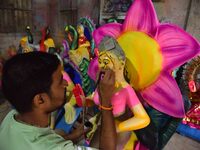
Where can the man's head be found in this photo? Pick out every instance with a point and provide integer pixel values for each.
(33, 80)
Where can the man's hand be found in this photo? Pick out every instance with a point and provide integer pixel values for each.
(78, 131)
(106, 87)
(76, 134)
(108, 131)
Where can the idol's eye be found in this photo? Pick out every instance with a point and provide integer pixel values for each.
(106, 61)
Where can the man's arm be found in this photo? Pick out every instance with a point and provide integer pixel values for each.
(75, 135)
(108, 131)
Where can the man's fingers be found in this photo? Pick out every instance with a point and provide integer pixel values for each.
(87, 130)
(111, 75)
(107, 73)
(78, 125)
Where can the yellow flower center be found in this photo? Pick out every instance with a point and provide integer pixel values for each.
(144, 58)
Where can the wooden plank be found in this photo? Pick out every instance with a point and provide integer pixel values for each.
(68, 12)
(22, 26)
(19, 21)
(68, 4)
(10, 20)
(20, 4)
(13, 19)
(30, 20)
(74, 4)
(25, 20)
(193, 23)
(69, 17)
(15, 3)
(16, 20)
(24, 4)
(5, 20)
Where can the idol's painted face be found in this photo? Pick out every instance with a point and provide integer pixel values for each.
(109, 60)
(106, 60)
(80, 29)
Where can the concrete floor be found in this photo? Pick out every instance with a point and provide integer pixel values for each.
(177, 142)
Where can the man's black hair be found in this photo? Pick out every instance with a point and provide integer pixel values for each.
(26, 75)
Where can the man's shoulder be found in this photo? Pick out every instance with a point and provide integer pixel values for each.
(12, 133)
(8, 118)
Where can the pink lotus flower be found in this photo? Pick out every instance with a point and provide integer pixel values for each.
(170, 47)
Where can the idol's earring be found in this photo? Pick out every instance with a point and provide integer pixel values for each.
(116, 84)
(192, 86)
(122, 64)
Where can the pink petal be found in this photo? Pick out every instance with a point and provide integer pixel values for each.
(165, 96)
(93, 68)
(141, 17)
(177, 46)
(110, 29)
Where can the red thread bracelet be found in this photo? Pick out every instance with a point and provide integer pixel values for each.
(105, 108)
